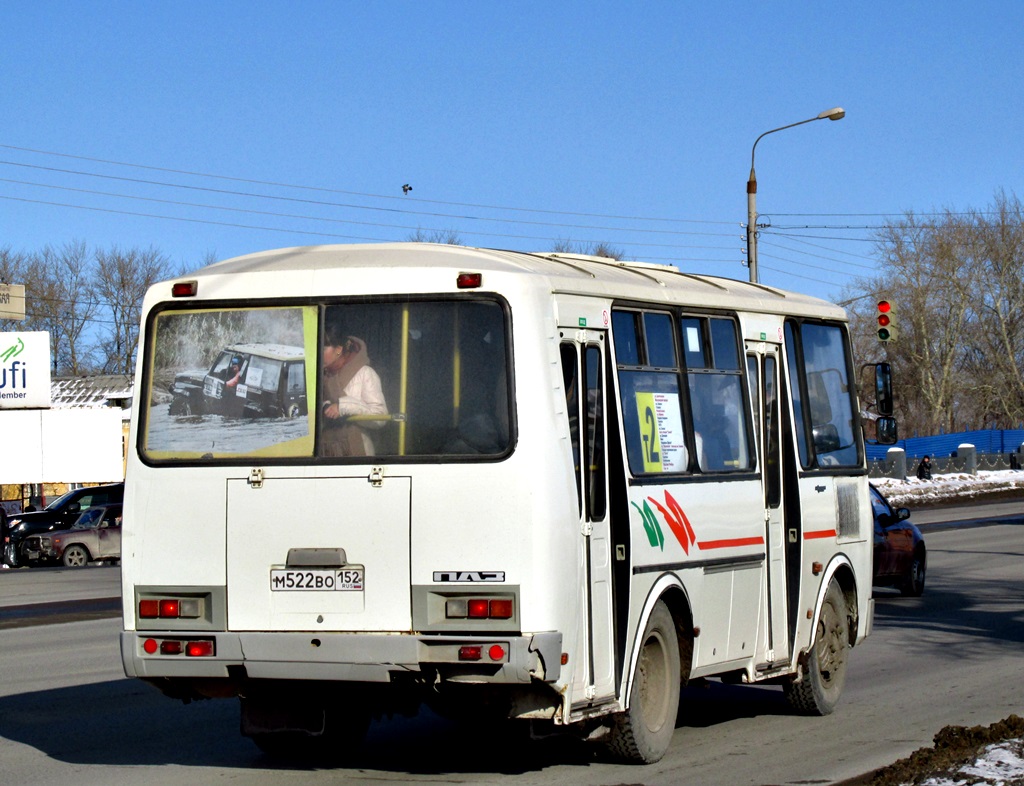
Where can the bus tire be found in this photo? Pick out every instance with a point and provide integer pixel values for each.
(643, 733)
(818, 692)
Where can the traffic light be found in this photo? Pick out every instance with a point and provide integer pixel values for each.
(886, 321)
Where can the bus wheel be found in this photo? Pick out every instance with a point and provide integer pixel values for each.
(825, 672)
(643, 733)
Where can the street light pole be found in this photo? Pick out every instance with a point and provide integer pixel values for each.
(836, 113)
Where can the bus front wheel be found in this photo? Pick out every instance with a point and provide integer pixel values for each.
(825, 671)
(643, 733)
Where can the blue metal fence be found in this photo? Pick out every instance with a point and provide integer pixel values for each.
(941, 445)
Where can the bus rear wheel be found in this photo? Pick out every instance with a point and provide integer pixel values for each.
(642, 733)
(819, 691)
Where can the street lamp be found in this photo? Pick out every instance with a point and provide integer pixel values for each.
(836, 113)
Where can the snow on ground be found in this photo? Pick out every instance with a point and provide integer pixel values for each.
(997, 765)
(912, 493)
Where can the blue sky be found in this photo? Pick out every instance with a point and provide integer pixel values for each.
(517, 125)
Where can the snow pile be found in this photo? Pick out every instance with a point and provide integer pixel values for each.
(1001, 764)
(912, 493)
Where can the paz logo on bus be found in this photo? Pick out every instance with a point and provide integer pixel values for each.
(469, 575)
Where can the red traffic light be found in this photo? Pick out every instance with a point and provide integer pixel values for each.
(886, 321)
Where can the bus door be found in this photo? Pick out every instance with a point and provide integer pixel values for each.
(583, 370)
(763, 366)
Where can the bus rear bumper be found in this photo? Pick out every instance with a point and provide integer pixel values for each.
(342, 657)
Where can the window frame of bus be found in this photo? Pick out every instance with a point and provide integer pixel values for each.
(634, 348)
(321, 304)
(796, 370)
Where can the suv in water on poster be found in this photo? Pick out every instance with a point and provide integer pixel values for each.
(246, 380)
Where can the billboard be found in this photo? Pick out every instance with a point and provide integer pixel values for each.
(25, 370)
(12, 301)
(62, 446)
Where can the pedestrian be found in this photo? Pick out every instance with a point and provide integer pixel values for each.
(924, 469)
(5, 530)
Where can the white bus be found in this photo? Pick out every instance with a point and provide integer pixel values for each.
(554, 488)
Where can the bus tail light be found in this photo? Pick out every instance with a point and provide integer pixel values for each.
(469, 280)
(170, 608)
(479, 608)
(194, 648)
(184, 288)
(472, 652)
(200, 649)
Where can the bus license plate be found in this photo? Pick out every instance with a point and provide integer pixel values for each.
(316, 579)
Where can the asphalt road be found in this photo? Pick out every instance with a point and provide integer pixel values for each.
(950, 657)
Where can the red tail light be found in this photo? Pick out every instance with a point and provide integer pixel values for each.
(477, 608)
(470, 653)
(480, 608)
(169, 608)
(501, 609)
(199, 649)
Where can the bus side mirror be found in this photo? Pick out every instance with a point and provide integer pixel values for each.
(883, 390)
(885, 431)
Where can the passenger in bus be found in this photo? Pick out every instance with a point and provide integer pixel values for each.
(353, 398)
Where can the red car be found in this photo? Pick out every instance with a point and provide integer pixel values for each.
(900, 555)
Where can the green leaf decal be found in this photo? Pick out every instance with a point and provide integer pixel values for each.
(651, 526)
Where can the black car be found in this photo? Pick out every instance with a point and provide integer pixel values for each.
(245, 380)
(59, 514)
(900, 555)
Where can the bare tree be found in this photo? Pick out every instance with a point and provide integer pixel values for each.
(957, 282)
(121, 280)
(59, 299)
(996, 346)
(601, 249)
(12, 271)
(446, 236)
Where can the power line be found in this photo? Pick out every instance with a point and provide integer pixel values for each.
(359, 193)
(252, 211)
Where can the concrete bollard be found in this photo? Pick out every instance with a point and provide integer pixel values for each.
(970, 458)
(896, 463)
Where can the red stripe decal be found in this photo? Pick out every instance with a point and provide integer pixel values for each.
(821, 533)
(730, 543)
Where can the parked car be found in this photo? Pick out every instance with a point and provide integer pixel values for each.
(60, 514)
(245, 380)
(96, 535)
(900, 555)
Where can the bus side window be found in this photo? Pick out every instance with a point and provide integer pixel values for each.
(721, 419)
(570, 380)
(829, 404)
(649, 387)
